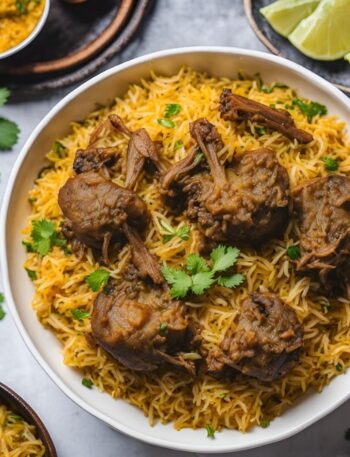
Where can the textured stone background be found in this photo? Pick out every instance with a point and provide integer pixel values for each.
(173, 23)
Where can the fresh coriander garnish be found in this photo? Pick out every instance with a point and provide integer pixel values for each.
(182, 231)
(14, 417)
(311, 109)
(2, 311)
(87, 383)
(293, 252)
(163, 327)
(8, 134)
(264, 423)
(330, 164)
(79, 314)
(339, 367)
(260, 130)
(210, 432)
(8, 129)
(97, 279)
(44, 237)
(199, 157)
(4, 95)
(198, 275)
(31, 273)
(223, 394)
(171, 109)
(268, 89)
(178, 145)
(59, 149)
(167, 123)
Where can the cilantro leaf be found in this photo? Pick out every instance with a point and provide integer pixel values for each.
(167, 123)
(224, 257)
(183, 232)
(178, 145)
(59, 149)
(171, 109)
(31, 273)
(330, 164)
(2, 311)
(97, 279)
(210, 432)
(42, 246)
(202, 281)
(264, 423)
(311, 109)
(4, 95)
(87, 383)
(179, 280)
(231, 281)
(196, 264)
(163, 327)
(339, 367)
(79, 314)
(260, 130)
(293, 252)
(42, 228)
(8, 134)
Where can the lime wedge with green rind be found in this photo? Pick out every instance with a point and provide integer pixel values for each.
(285, 15)
(347, 57)
(325, 34)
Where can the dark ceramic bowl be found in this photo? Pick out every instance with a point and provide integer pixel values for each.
(13, 401)
(336, 72)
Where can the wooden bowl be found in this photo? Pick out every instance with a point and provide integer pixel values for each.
(13, 401)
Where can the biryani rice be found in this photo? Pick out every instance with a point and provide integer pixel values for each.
(17, 437)
(170, 395)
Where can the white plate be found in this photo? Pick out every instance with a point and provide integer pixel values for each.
(31, 36)
(118, 414)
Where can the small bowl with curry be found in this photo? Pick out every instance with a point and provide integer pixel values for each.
(20, 22)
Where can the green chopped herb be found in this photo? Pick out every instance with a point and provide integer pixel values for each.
(13, 417)
(97, 279)
(260, 130)
(266, 89)
(44, 237)
(293, 252)
(171, 109)
(31, 273)
(2, 311)
(67, 252)
(287, 106)
(223, 394)
(210, 432)
(163, 327)
(4, 95)
(178, 145)
(79, 314)
(339, 367)
(8, 134)
(199, 275)
(21, 6)
(199, 157)
(59, 149)
(183, 232)
(330, 164)
(87, 383)
(167, 123)
(264, 423)
(311, 109)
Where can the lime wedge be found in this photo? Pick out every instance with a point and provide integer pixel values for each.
(325, 34)
(347, 57)
(285, 15)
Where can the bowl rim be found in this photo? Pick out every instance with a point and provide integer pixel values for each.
(33, 34)
(143, 436)
(23, 407)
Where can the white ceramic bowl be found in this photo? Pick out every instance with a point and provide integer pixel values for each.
(19, 290)
(31, 36)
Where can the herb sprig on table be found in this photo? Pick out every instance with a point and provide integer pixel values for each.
(198, 275)
(9, 130)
